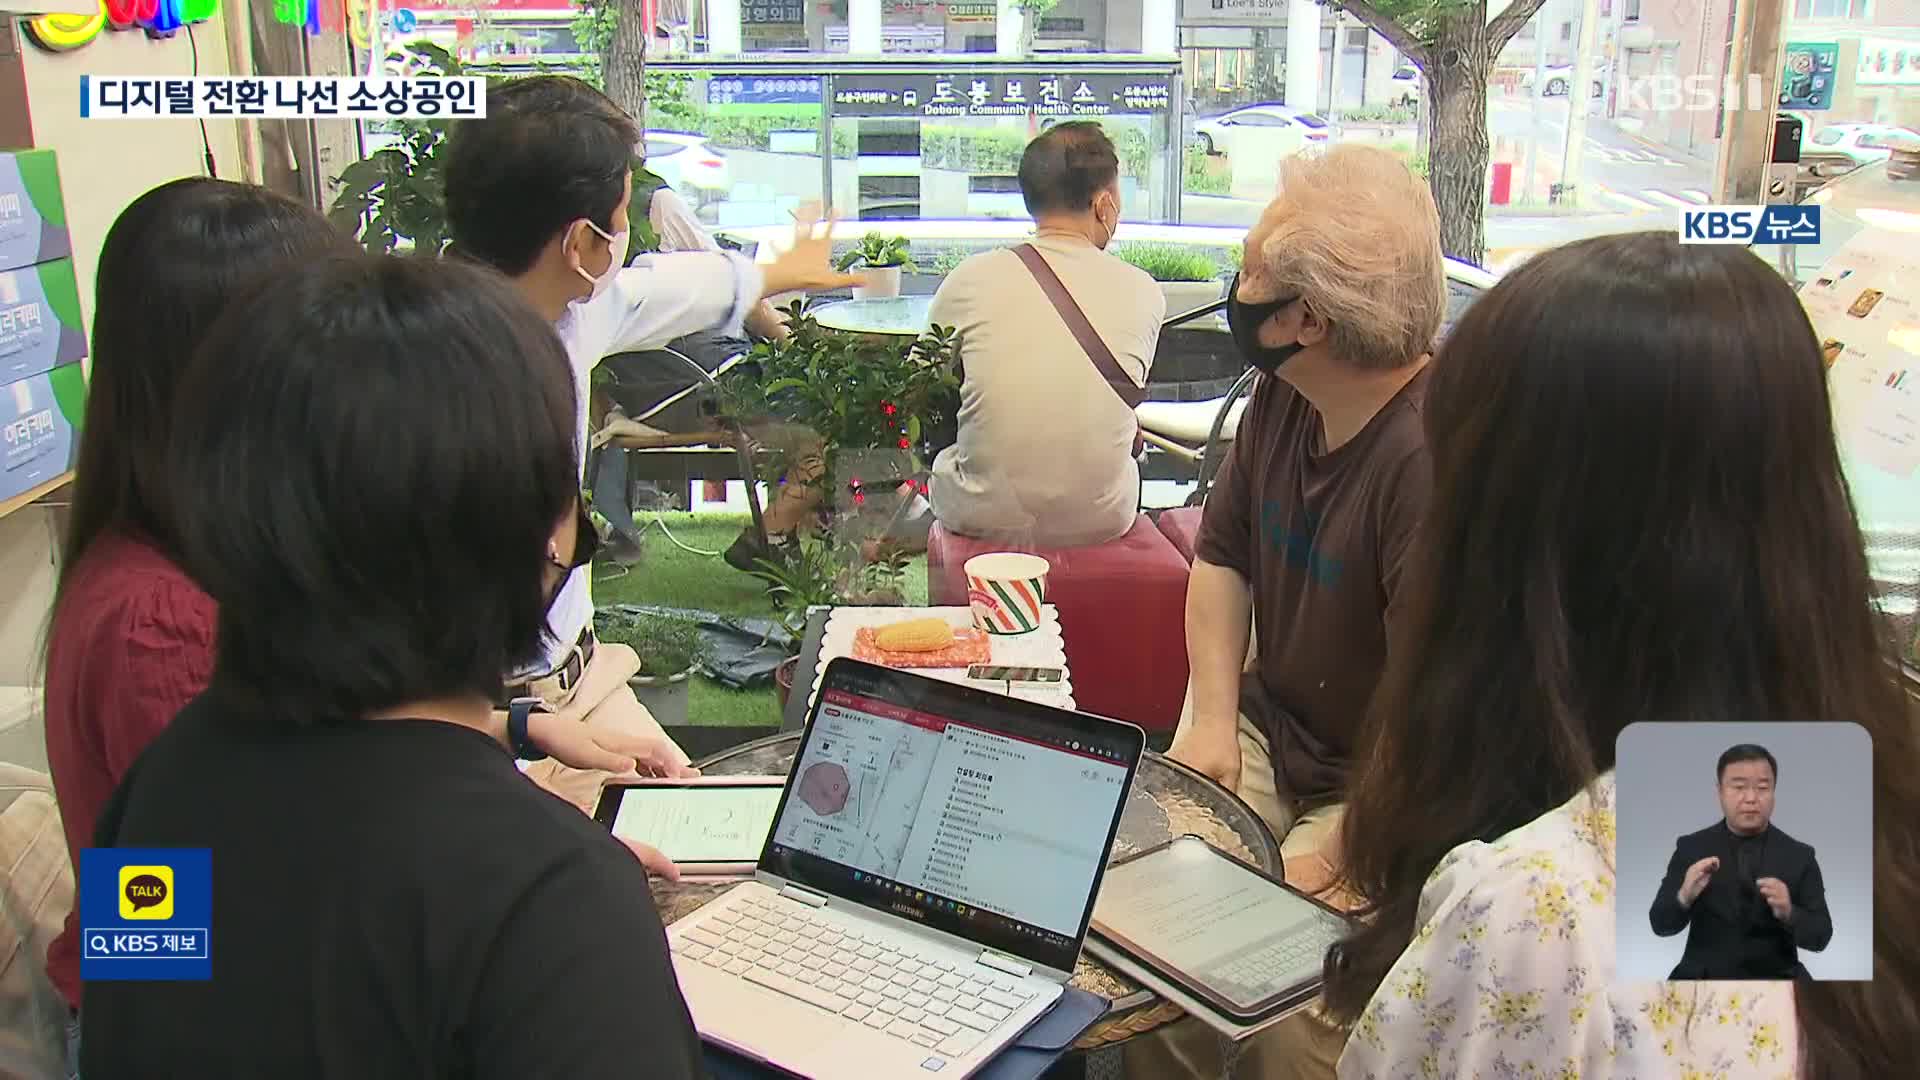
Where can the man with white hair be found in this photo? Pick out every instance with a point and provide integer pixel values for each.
(1307, 530)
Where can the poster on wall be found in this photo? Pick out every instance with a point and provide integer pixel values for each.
(1863, 307)
(1811, 68)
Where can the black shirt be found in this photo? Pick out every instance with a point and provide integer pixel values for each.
(390, 899)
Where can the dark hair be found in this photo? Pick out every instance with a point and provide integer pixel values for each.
(1746, 752)
(550, 151)
(1066, 167)
(1638, 513)
(380, 450)
(170, 263)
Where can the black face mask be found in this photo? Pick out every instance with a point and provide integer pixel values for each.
(1244, 321)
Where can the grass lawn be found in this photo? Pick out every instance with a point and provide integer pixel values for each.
(670, 576)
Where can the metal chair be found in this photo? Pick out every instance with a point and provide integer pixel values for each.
(627, 434)
(1205, 457)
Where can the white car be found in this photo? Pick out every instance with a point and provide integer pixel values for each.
(1309, 129)
(1558, 79)
(1406, 87)
(1864, 143)
(688, 164)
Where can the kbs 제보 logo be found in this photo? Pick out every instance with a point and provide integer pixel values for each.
(145, 914)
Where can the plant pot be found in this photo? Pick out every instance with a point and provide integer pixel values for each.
(882, 282)
(665, 696)
(1184, 296)
(783, 679)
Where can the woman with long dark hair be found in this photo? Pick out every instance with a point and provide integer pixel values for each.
(1639, 514)
(131, 640)
(382, 457)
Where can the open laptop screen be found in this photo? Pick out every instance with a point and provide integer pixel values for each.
(970, 812)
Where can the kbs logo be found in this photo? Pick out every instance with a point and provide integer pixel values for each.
(1750, 225)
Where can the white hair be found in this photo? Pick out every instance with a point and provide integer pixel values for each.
(1357, 235)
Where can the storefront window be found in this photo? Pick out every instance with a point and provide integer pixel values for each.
(910, 141)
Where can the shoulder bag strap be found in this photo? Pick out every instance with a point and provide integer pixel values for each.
(1109, 368)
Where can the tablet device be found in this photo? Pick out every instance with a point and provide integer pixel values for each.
(708, 826)
(1238, 940)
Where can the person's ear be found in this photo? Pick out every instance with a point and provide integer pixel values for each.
(1313, 328)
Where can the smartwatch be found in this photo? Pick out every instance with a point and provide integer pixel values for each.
(517, 712)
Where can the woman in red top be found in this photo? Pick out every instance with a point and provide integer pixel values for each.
(131, 641)
(132, 637)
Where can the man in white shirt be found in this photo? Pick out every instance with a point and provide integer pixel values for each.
(540, 189)
(1045, 455)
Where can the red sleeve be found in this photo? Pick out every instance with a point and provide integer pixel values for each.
(1226, 522)
(168, 660)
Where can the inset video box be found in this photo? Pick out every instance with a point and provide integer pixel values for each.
(40, 325)
(40, 419)
(33, 215)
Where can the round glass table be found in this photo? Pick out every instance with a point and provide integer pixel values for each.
(898, 316)
(1167, 800)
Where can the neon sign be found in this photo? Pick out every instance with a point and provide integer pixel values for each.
(159, 18)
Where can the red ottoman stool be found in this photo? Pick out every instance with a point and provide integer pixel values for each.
(1181, 526)
(1122, 612)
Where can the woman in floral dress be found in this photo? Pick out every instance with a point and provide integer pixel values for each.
(1639, 514)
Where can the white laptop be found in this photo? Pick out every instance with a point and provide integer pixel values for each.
(926, 887)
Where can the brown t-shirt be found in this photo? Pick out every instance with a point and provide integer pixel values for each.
(1322, 537)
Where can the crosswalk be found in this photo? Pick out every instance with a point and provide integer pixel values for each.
(1649, 200)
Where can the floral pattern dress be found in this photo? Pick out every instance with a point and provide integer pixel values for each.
(1511, 976)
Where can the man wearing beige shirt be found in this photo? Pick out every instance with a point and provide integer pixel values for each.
(1045, 451)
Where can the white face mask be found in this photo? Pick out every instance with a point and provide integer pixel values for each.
(617, 245)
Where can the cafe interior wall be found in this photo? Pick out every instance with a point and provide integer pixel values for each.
(104, 165)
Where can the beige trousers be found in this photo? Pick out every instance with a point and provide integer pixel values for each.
(602, 699)
(1303, 1046)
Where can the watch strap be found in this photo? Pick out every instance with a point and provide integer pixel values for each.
(518, 710)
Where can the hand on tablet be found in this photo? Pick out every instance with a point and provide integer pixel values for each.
(583, 746)
(651, 857)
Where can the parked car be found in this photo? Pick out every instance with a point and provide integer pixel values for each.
(1310, 128)
(688, 164)
(1838, 149)
(1406, 91)
(1862, 142)
(1558, 79)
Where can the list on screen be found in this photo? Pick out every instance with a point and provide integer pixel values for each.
(996, 822)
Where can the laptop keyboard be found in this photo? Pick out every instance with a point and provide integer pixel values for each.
(931, 1003)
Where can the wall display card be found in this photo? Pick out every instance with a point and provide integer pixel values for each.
(39, 428)
(1863, 307)
(33, 218)
(40, 325)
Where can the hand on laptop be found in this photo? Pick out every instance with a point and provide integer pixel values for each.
(594, 749)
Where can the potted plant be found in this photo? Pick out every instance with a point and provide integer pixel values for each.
(670, 650)
(1188, 277)
(883, 258)
(395, 198)
(824, 573)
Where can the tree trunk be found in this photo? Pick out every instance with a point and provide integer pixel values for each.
(623, 66)
(1457, 169)
(1029, 30)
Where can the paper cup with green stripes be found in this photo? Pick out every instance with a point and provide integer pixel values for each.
(1005, 590)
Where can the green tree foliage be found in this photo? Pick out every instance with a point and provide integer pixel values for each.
(1454, 43)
